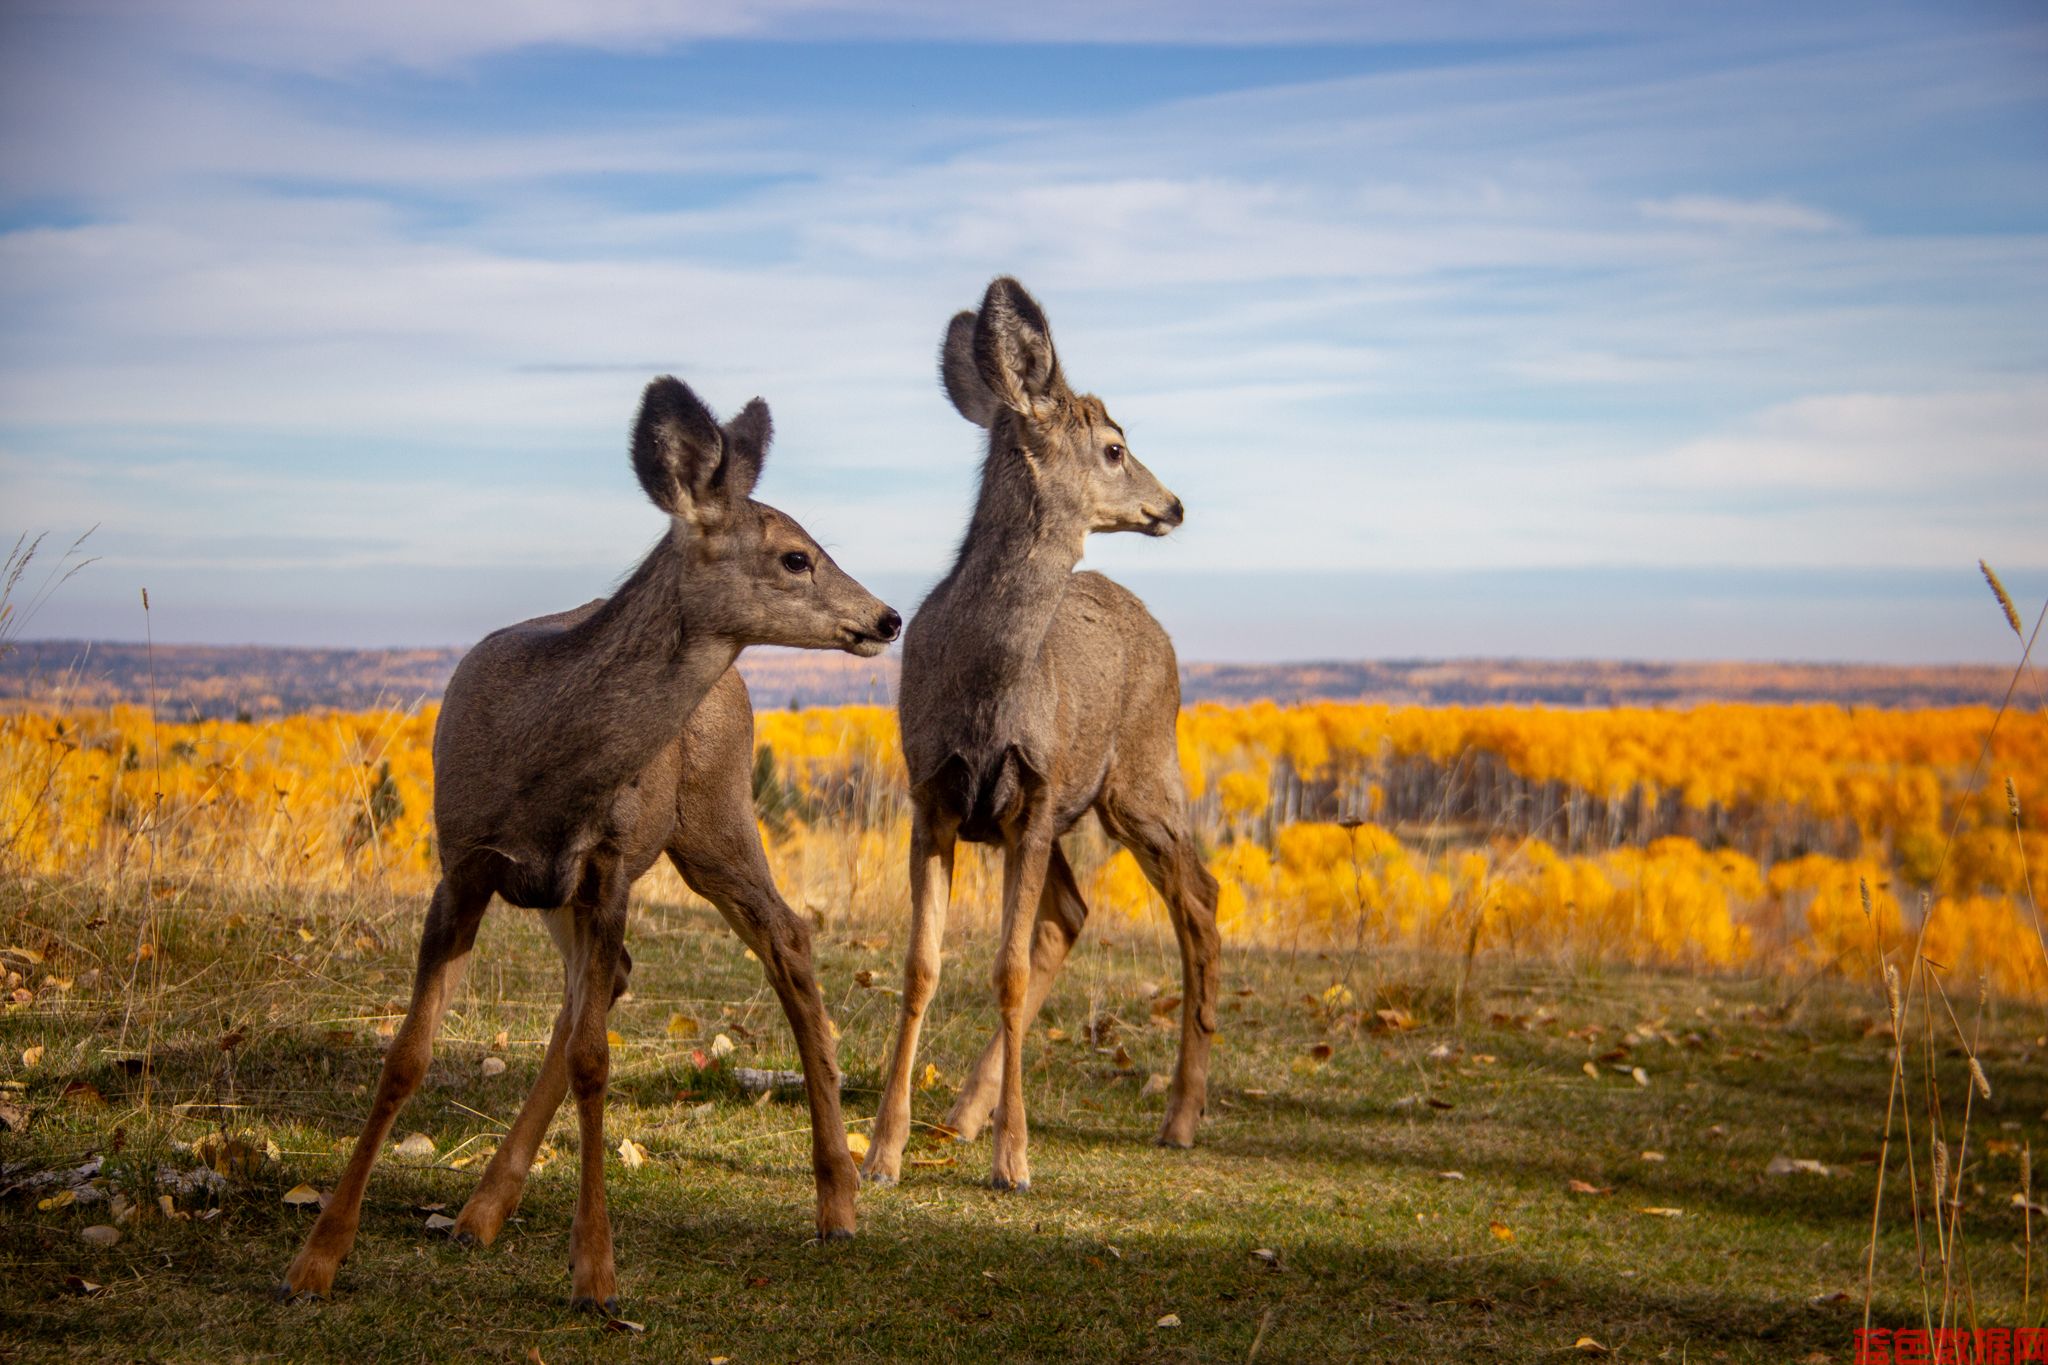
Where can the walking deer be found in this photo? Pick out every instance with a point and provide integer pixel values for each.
(1031, 694)
(572, 751)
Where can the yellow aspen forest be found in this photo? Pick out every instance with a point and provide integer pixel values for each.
(1717, 837)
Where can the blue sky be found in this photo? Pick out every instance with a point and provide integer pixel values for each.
(1563, 329)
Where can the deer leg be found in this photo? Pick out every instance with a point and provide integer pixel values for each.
(599, 943)
(1166, 852)
(504, 1180)
(445, 942)
(1024, 871)
(745, 894)
(1061, 914)
(920, 981)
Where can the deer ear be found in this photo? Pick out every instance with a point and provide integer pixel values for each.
(1013, 347)
(960, 376)
(677, 447)
(746, 450)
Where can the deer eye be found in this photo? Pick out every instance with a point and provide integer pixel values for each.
(796, 561)
(1114, 454)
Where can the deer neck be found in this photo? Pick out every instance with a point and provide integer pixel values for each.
(1013, 569)
(639, 668)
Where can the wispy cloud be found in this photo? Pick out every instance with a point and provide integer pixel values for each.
(1741, 215)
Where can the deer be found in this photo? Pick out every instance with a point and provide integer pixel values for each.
(574, 750)
(1029, 695)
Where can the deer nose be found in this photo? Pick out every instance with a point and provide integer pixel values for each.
(890, 623)
(1176, 514)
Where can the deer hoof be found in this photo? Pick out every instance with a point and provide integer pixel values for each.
(284, 1293)
(881, 1180)
(464, 1238)
(1010, 1186)
(583, 1303)
(836, 1235)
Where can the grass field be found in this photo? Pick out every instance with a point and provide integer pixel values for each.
(1339, 1165)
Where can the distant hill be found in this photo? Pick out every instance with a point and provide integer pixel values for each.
(226, 680)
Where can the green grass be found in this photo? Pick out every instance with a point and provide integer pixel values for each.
(1337, 1167)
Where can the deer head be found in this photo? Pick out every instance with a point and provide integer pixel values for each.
(999, 368)
(755, 576)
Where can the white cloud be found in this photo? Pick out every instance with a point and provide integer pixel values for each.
(1740, 215)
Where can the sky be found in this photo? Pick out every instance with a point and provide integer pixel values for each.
(1571, 329)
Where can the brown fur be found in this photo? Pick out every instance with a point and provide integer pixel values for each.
(574, 750)
(1030, 695)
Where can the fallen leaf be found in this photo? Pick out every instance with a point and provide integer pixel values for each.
(947, 1160)
(1267, 1257)
(100, 1234)
(1396, 1019)
(1450, 1175)
(1640, 1076)
(1662, 1213)
(721, 1046)
(417, 1147)
(1591, 1070)
(929, 1077)
(61, 1199)
(1155, 1084)
(503, 1040)
(296, 1196)
(632, 1154)
(1716, 1131)
(681, 1026)
(1437, 1102)
(32, 1055)
(12, 1118)
(439, 1222)
(1170, 1320)
(1589, 1347)
(1577, 1186)
(2020, 1201)
(1502, 1231)
(622, 1325)
(233, 1039)
(1322, 1052)
(1055, 1035)
(857, 1144)
(1653, 1156)
(1122, 1058)
(74, 1284)
(493, 1066)
(612, 1037)
(84, 1093)
(1788, 1165)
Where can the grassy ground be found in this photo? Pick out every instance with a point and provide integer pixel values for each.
(1340, 1165)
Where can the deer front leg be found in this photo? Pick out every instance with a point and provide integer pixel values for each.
(504, 1180)
(1061, 915)
(600, 937)
(928, 846)
(445, 943)
(1024, 869)
(745, 894)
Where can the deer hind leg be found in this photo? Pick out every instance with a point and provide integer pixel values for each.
(504, 1180)
(1165, 848)
(745, 894)
(930, 844)
(597, 952)
(445, 943)
(1061, 914)
(1026, 854)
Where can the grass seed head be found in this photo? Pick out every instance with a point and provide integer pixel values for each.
(1983, 1082)
(2012, 616)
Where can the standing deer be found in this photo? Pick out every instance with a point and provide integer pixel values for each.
(571, 752)
(1029, 695)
